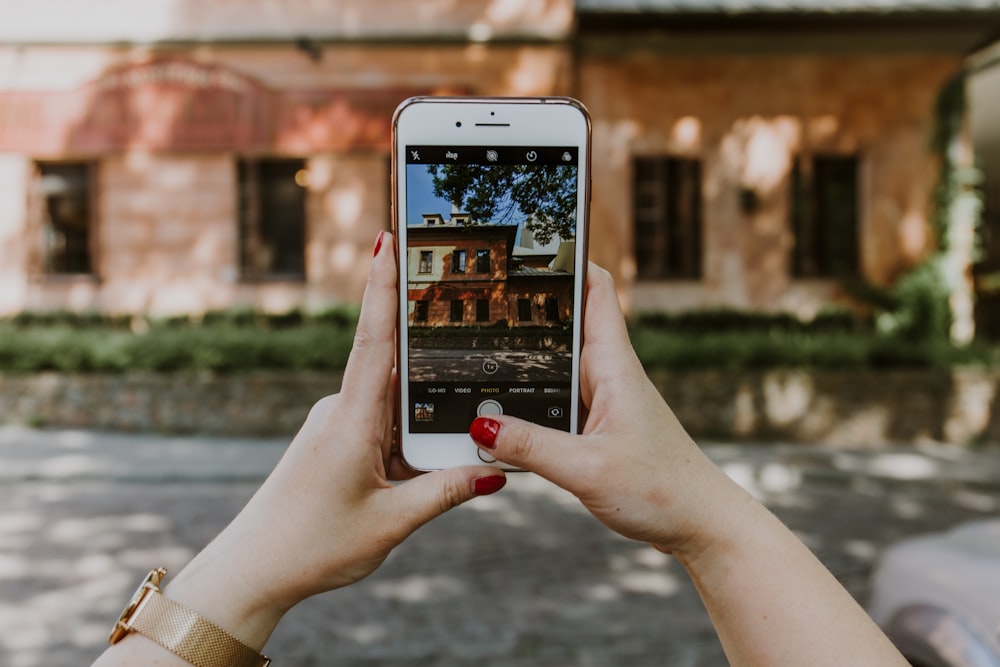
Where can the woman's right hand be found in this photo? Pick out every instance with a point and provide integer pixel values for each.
(634, 467)
(637, 470)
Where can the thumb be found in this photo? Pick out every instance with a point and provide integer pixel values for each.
(430, 495)
(541, 450)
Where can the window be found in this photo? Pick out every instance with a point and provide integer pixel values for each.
(523, 310)
(482, 310)
(426, 261)
(458, 261)
(483, 261)
(420, 311)
(67, 218)
(551, 309)
(457, 310)
(666, 195)
(272, 211)
(824, 211)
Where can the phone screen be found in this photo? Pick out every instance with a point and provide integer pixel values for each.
(491, 268)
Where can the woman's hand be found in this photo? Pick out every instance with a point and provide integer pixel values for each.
(634, 467)
(328, 515)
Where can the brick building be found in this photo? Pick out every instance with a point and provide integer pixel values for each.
(182, 156)
(476, 275)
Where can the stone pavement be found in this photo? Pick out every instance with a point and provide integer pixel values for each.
(524, 578)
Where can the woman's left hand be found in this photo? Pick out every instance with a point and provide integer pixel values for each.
(328, 515)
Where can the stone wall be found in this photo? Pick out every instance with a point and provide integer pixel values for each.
(849, 408)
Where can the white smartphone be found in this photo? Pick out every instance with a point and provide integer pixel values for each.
(490, 211)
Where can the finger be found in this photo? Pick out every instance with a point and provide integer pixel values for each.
(607, 359)
(427, 496)
(366, 377)
(603, 322)
(544, 451)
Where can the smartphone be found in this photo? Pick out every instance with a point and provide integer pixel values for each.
(490, 210)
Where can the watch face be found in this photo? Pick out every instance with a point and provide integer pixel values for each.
(121, 628)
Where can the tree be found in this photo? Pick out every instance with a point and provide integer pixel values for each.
(495, 194)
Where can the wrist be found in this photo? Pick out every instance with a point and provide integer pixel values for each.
(725, 526)
(229, 588)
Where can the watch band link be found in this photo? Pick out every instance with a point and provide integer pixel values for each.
(193, 638)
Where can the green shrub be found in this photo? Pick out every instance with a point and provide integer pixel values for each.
(727, 320)
(218, 348)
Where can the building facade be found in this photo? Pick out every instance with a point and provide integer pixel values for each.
(197, 156)
(475, 275)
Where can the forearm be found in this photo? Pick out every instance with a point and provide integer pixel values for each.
(773, 603)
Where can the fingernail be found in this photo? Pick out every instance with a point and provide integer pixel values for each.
(378, 243)
(484, 486)
(484, 431)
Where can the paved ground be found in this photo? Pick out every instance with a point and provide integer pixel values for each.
(524, 578)
(488, 365)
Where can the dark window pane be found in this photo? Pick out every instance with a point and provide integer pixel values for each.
(457, 310)
(667, 207)
(67, 224)
(482, 310)
(458, 261)
(551, 309)
(420, 311)
(824, 212)
(483, 261)
(523, 310)
(272, 217)
(426, 259)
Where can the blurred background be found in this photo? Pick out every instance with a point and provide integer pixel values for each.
(799, 200)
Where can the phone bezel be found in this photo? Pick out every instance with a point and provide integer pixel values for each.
(486, 121)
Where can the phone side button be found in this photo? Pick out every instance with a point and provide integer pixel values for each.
(485, 456)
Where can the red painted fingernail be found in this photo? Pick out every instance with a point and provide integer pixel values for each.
(484, 486)
(378, 243)
(484, 431)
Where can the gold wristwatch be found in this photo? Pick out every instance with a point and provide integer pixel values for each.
(181, 631)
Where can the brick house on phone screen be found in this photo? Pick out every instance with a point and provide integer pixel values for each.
(178, 156)
(475, 275)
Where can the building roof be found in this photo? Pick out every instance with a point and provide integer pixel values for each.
(785, 6)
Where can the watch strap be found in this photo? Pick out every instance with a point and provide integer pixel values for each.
(190, 636)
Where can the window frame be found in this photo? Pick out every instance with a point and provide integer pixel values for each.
(43, 266)
(428, 267)
(525, 304)
(484, 255)
(811, 255)
(672, 186)
(459, 266)
(421, 310)
(482, 310)
(249, 203)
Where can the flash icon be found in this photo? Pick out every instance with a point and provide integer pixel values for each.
(415, 155)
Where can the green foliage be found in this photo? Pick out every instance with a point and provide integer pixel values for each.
(727, 320)
(735, 351)
(723, 339)
(922, 311)
(493, 194)
(225, 342)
